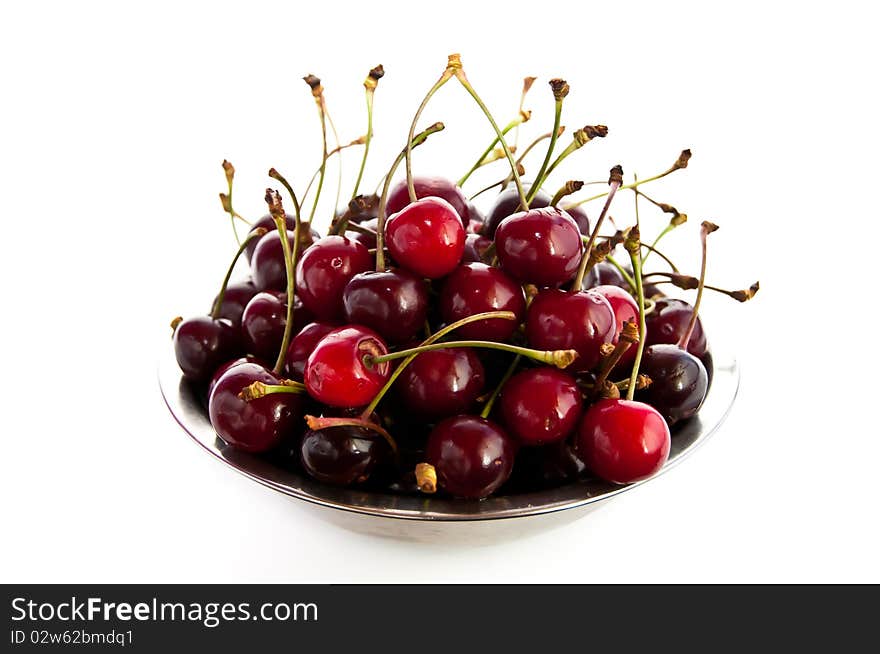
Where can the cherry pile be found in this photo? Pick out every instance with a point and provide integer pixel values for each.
(423, 346)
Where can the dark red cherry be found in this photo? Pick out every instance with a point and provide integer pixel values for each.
(679, 382)
(472, 456)
(540, 406)
(202, 344)
(441, 383)
(438, 187)
(394, 303)
(668, 322)
(475, 246)
(582, 321)
(474, 288)
(367, 240)
(235, 299)
(539, 246)
(263, 321)
(579, 215)
(476, 221)
(506, 204)
(623, 441)
(324, 270)
(604, 274)
(546, 466)
(226, 366)
(426, 237)
(301, 347)
(307, 237)
(344, 455)
(336, 372)
(256, 425)
(625, 309)
(267, 265)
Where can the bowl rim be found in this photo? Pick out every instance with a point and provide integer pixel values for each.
(189, 412)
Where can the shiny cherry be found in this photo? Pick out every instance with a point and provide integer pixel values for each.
(441, 383)
(669, 321)
(475, 246)
(343, 455)
(582, 321)
(226, 366)
(623, 441)
(324, 270)
(540, 406)
(394, 303)
(301, 346)
(539, 246)
(604, 274)
(235, 299)
(506, 204)
(336, 373)
(579, 215)
(267, 264)
(426, 237)
(306, 238)
(438, 187)
(256, 425)
(263, 321)
(474, 288)
(679, 382)
(625, 309)
(202, 344)
(472, 456)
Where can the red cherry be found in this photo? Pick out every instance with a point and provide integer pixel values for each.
(472, 456)
(441, 383)
(268, 268)
(235, 299)
(540, 405)
(507, 203)
(202, 344)
(623, 441)
(625, 309)
(578, 215)
(324, 270)
(438, 187)
(668, 322)
(392, 302)
(426, 237)
(582, 321)
(301, 347)
(263, 321)
(539, 246)
(475, 246)
(474, 288)
(336, 373)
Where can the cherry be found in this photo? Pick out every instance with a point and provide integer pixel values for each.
(367, 240)
(267, 264)
(226, 366)
(679, 382)
(442, 383)
(438, 187)
(235, 299)
(623, 441)
(472, 456)
(394, 303)
(336, 372)
(474, 288)
(301, 347)
(426, 237)
(256, 425)
(202, 344)
(263, 321)
(508, 203)
(604, 274)
(625, 309)
(343, 455)
(669, 321)
(546, 466)
(582, 321)
(579, 215)
(306, 238)
(539, 246)
(475, 246)
(476, 219)
(324, 270)
(540, 405)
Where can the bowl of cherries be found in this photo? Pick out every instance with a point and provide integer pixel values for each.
(439, 357)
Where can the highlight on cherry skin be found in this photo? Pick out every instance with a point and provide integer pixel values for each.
(436, 334)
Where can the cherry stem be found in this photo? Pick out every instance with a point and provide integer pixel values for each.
(260, 389)
(415, 141)
(276, 209)
(680, 163)
(259, 232)
(560, 90)
(274, 174)
(632, 246)
(462, 78)
(580, 139)
(226, 199)
(523, 117)
(706, 228)
(628, 337)
(487, 408)
(626, 276)
(614, 182)
(370, 85)
(318, 94)
(504, 182)
(445, 77)
(317, 424)
(527, 85)
(558, 358)
(336, 150)
(426, 478)
(571, 186)
(440, 333)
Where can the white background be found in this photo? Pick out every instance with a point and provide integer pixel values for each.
(114, 120)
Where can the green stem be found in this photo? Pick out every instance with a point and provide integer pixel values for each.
(487, 408)
(624, 187)
(585, 257)
(539, 178)
(558, 358)
(323, 168)
(635, 255)
(445, 77)
(706, 229)
(259, 232)
(626, 276)
(259, 389)
(369, 92)
(487, 152)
